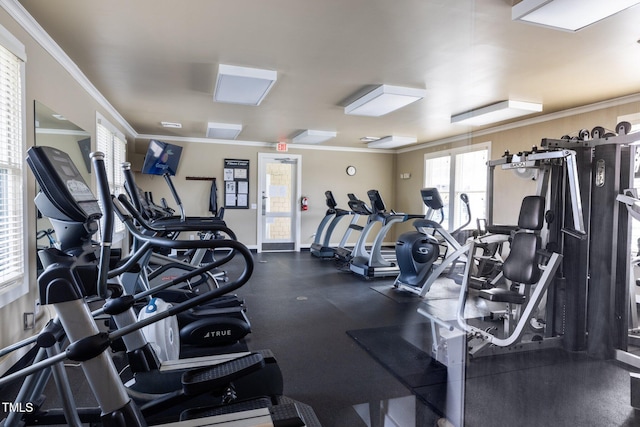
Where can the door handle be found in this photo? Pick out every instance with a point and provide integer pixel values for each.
(264, 204)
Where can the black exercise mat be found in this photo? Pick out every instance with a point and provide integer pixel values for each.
(528, 383)
(427, 378)
(442, 288)
(411, 366)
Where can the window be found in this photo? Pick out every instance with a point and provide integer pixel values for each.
(13, 222)
(455, 172)
(112, 143)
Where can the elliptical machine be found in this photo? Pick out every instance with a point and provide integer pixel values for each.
(65, 286)
(418, 252)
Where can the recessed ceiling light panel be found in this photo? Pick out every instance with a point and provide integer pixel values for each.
(567, 15)
(392, 142)
(383, 100)
(313, 136)
(223, 130)
(496, 113)
(242, 85)
(172, 125)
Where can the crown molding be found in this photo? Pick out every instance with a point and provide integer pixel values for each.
(48, 131)
(31, 26)
(261, 144)
(206, 140)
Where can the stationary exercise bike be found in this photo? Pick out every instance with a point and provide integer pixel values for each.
(418, 252)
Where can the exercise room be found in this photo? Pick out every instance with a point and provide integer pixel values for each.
(342, 214)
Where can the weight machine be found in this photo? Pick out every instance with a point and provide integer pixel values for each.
(554, 215)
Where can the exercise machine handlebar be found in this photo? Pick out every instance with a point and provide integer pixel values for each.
(97, 158)
(213, 225)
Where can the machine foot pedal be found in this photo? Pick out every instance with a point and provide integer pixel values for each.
(220, 376)
(283, 415)
(479, 283)
(211, 411)
(307, 413)
(286, 416)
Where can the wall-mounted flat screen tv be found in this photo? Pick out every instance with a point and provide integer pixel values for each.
(161, 158)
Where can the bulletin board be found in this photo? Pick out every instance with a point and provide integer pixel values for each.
(236, 184)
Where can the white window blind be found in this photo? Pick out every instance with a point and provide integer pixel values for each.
(12, 227)
(114, 147)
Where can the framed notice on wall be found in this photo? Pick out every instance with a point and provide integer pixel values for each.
(236, 184)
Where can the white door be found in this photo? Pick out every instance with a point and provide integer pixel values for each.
(279, 202)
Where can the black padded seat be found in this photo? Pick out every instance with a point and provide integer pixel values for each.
(502, 295)
(501, 229)
(521, 266)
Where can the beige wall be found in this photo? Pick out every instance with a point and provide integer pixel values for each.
(48, 82)
(321, 170)
(325, 170)
(509, 190)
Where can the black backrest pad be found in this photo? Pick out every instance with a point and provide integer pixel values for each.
(521, 265)
(531, 213)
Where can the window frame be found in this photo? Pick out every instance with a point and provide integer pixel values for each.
(20, 287)
(452, 153)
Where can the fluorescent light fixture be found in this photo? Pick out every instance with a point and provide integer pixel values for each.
(568, 15)
(496, 113)
(313, 136)
(369, 138)
(384, 99)
(223, 130)
(242, 85)
(172, 125)
(392, 142)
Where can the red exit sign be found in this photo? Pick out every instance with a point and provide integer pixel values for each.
(282, 146)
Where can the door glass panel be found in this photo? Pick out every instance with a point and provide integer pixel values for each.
(278, 229)
(279, 207)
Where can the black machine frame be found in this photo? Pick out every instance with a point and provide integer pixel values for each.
(599, 267)
(588, 304)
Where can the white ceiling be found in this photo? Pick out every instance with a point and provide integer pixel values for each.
(156, 60)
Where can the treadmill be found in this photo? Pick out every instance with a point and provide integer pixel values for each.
(359, 208)
(321, 246)
(372, 263)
